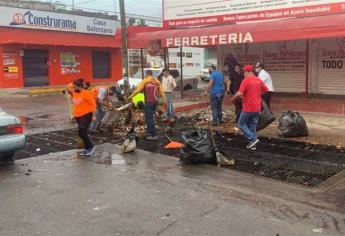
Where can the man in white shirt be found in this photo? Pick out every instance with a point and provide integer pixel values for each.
(266, 78)
(168, 84)
(102, 95)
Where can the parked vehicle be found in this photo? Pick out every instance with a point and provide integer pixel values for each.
(188, 82)
(12, 137)
(205, 75)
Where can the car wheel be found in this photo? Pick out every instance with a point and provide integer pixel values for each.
(188, 87)
(7, 158)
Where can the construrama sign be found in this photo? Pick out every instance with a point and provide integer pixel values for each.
(32, 19)
(179, 13)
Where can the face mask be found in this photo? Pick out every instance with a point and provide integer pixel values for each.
(257, 70)
(210, 72)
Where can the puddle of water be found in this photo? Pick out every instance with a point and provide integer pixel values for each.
(43, 116)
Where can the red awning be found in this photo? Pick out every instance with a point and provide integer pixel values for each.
(287, 29)
(57, 38)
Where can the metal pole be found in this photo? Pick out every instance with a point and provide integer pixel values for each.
(181, 75)
(72, 5)
(124, 45)
(307, 69)
(142, 63)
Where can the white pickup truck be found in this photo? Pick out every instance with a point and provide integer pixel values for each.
(188, 82)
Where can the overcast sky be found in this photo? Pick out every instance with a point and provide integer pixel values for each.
(141, 7)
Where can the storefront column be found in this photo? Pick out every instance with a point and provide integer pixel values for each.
(142, 63)
(246, 54)
(307, 68)
(181, 62)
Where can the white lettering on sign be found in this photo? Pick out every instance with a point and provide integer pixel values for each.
(222, 39)
(178, 13)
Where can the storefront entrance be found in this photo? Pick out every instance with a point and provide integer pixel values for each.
(35, 68)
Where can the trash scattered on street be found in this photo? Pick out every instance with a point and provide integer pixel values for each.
(38, 150)
(117, 160)
(318, 230)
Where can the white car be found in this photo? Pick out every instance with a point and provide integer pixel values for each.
(205, 75)
(188, 82)
(12, 137)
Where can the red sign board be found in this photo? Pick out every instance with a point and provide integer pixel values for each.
(154, 48)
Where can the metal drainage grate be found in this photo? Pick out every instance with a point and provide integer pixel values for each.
(283, 160)
(288, 161)
(57, 141)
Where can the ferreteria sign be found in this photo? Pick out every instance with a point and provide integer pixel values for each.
(209, 40)
(32, 19)
(181, 13)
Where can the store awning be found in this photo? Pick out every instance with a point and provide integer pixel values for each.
(280, 30)
(57, 38)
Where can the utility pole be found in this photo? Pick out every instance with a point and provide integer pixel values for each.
(73, 5)
(124, 45)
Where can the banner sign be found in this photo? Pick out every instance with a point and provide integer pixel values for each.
(10, 60)
(69, 63)
(43, 20)
(179, 13)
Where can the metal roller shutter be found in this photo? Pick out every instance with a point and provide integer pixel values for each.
(286, 62)
(331, 66)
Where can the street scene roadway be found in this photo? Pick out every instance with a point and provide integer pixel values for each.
(172, 118)
(145, 192)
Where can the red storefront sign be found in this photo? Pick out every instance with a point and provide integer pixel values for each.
(203, 12)
(287, 29)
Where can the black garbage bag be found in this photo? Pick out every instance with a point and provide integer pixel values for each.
(197, 148)
(266, 117)
(292, 124)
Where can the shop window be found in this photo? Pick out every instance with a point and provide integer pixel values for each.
(101, 65)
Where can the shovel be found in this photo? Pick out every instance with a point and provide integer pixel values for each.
(173, 144)
(221, 159)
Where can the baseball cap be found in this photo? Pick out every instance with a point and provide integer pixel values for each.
(248, 68)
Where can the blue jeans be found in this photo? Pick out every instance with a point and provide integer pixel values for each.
(149, 111)
(247, 124)
(99, 116)
(170, 110)
(216, 106)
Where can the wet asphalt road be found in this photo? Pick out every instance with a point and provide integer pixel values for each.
(145, 194)
(148, 194)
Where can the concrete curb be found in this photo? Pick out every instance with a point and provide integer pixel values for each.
(49, 91)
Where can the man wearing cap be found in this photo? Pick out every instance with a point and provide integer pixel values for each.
(251, 90)
(266, 78)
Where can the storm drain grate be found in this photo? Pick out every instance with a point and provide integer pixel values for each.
(57, 141)
(283, 160)
(288, 161)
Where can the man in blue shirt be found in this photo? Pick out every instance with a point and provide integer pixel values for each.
(217, 91)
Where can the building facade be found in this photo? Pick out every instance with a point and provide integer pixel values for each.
(43, 48)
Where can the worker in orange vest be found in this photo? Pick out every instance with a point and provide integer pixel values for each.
(102, 96)
(68, 95)
(84, 106)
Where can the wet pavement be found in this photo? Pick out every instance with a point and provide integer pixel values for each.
(145, 194)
